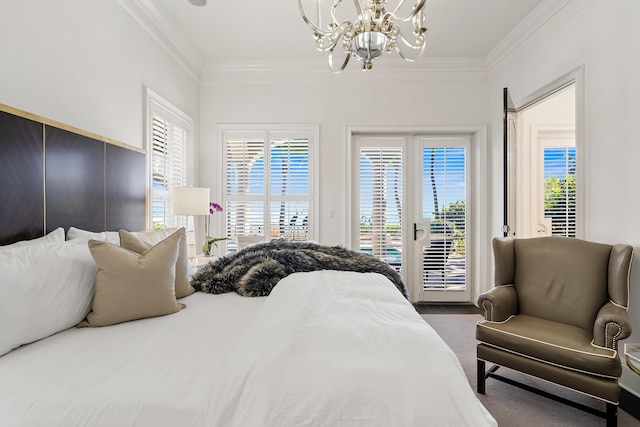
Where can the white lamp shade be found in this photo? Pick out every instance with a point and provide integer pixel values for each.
(189, 201)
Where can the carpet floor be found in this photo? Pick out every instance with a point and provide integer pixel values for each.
(509, 405)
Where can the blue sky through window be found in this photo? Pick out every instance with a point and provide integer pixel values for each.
(559, 161)
(449, 170)
(450, 178)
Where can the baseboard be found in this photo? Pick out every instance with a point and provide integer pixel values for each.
(451, 308)
(630, 403)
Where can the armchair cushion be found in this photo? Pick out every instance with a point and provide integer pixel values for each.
(561, 279)
(559, 344)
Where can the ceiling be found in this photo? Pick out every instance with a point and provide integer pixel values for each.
(273, 30)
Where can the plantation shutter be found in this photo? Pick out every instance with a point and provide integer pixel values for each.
(560, 190)
(268, 185)
(169, 161)
(444, 204)
(380, 199)
(289, 185)
(245, 180)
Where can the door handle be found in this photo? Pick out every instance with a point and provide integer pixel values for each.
(420, 227)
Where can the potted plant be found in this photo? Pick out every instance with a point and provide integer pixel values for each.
(211, 242)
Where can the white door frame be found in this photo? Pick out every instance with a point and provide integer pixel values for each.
(479, 274)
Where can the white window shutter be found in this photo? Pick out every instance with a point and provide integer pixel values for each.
(560, 190)
(380, 202)
(170, 160)
(268, 184)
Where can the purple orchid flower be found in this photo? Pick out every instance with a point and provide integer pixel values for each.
(214, 207)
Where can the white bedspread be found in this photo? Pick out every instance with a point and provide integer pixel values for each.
(149, 373)
(341, 349)
(326, 348)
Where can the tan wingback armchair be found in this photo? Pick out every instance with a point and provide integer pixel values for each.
(557, 312)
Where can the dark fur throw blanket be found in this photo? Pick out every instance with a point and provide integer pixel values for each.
(255, 270)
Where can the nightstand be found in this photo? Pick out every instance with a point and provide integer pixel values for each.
(632, 357)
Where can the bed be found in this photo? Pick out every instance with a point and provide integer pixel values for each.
(322, 348)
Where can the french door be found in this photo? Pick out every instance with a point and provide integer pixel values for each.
(411, 210)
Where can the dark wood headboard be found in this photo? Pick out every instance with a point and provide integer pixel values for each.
(53, 175)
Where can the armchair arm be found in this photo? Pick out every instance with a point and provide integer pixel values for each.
(612, 324)
(499, 303)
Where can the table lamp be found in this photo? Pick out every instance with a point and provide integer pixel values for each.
(190, 201)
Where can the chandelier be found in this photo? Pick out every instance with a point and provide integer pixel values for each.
(373, 32)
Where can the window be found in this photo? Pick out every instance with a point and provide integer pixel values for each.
(169, 139)
(560, 189)
(269, 184)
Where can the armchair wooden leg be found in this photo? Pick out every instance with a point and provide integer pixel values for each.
(612, 415)
(481, 376)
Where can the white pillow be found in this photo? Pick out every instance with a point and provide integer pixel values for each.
(56, 235)
(83, 235)
(44, 289)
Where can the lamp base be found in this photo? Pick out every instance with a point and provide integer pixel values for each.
(191, 238)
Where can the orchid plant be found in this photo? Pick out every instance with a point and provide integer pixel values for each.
(209, 241)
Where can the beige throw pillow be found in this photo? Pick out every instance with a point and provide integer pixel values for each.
(132, 286)
(143, 240)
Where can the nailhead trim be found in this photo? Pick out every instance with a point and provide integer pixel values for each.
(614, 339)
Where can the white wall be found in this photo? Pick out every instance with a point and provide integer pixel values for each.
(85, 63)
(336, 102)
(601, 35)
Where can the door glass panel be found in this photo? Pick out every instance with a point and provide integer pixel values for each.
(380, 203)
(444, 175)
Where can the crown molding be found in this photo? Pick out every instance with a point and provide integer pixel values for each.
(392, 70)
(544, 14)
(167, 33)
(159, 24)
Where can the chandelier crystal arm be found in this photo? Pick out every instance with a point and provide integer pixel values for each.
(341, 67)
(418, 47)
(416, 10)
(329, 39)
(398, 7)
(358, 7)
(334, 6)
(313, 26)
